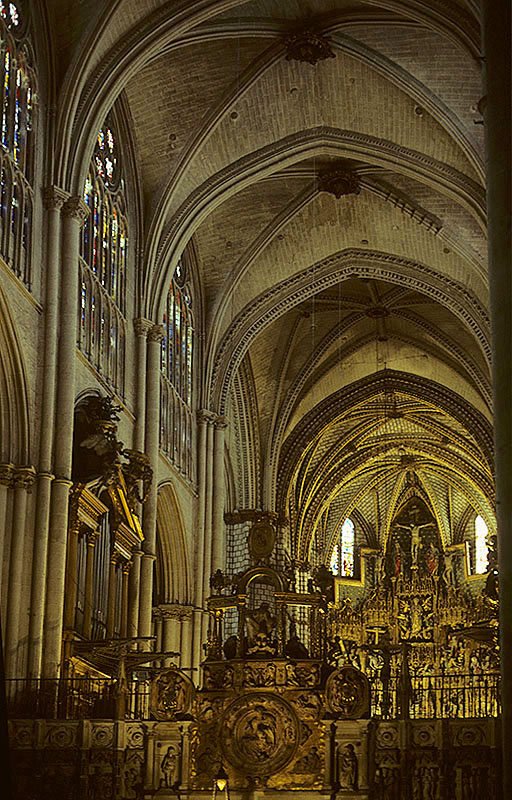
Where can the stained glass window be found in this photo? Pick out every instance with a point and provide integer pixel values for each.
(481, 548)
(177, 373)
(103, 262)
(342, 559)
(17, 110)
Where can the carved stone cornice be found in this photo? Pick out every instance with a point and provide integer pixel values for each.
(6, 474)
(75, 208)
(308, 47)
(54, 198)
(142, 326)
(338, 182)
(156, 333)
(24, 477)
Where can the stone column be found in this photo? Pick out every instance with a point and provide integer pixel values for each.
(142, 328)
(74, 212)
(157, 620)
(218, 539)
(152, 448)
(134, 594)
(124, 600)
(498, 129)
(208, 514)
(54, 199)
(112, 594)
(186, 639)
(71, 577)
(23, 480)
(172, 616)
(203, 418)
(6, 477)
(89, 584)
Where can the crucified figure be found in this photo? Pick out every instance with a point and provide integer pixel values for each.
(415, 531)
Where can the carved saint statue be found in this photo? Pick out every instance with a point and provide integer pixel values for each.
(448, 572)
(260, 624)
(169, 768)
(347, 767)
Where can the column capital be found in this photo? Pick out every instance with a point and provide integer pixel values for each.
(175, 611)
(6, 474)
(54, 198)
(75, 208)
(156, 333)
(92, 537)
(24, 477)
(142, 326)
(220, 422)
(204, 416)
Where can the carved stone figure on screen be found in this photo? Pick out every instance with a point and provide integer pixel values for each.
(347, 767)
(260, 626)
(294, 647)
(169, 768)
(448, 570)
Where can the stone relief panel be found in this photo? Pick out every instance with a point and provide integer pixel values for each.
(260, 734)
(172, 693)
(347, 693)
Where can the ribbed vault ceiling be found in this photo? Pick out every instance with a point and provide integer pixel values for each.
(306, 295)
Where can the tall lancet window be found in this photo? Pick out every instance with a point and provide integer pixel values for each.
(481, 547)
(177, 373)
(103, 262)
(18, 113)
(342, 559)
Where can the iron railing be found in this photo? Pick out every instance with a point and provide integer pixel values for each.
(77, 698)
(435, 696)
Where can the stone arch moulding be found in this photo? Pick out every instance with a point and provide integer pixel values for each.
(14, 407)
(329, 272)
(175, 567)
(167, 243)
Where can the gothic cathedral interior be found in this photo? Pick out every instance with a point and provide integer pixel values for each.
(256, 399)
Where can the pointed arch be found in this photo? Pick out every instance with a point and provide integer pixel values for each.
(173, 561)
(14, 410)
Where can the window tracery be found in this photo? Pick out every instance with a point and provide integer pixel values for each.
(18, 112)
(177, 373)
(342, 558)
(103, 262)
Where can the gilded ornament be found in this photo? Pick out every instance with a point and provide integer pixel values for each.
(262, 538)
